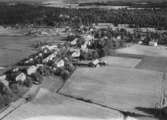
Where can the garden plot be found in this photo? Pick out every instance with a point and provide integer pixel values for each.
(119, 88)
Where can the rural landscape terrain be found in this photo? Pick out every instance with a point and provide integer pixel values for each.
(83, 59)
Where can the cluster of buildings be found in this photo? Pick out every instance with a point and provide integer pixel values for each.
(51, 59)
(84, 46)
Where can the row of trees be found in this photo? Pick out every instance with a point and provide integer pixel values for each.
(39, 15)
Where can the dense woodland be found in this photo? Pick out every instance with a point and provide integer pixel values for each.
(126, 3)
(40, 15)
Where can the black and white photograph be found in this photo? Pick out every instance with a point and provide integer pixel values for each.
(83, 59)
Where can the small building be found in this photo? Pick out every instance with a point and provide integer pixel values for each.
(153, 43)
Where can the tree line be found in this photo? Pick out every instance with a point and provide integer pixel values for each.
(50, 16)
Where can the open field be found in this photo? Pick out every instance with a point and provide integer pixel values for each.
(13, 49)
(16, 48)
(48, 106)
(142, 50)
(121, 61)
(118, 88)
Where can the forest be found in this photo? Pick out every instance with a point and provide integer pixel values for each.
(24, 14)
(129, 4)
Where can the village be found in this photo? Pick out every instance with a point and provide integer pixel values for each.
(69, 69)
